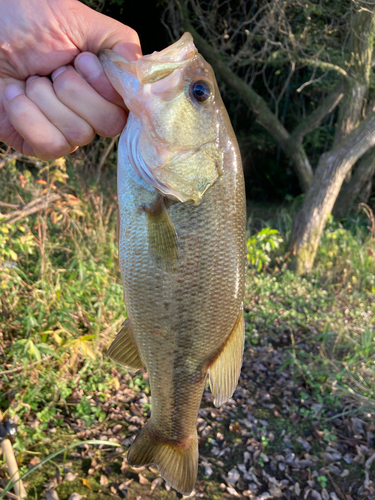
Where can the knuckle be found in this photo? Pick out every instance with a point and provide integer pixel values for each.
(80, 135)
(113, 124)
(37, 87)
(66, 85)
(53, 150)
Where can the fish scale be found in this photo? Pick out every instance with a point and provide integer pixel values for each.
(184, 303)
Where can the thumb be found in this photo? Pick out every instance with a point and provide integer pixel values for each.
(97, 31)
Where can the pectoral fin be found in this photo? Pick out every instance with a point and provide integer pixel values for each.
(124, 350)
(161, 235)
(225, 370)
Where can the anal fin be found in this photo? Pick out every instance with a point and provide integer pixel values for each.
(161, 235)
(123, 349)
(224, 372)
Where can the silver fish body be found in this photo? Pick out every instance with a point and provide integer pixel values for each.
(182, 252)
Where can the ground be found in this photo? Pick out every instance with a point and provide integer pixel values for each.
(299, 425)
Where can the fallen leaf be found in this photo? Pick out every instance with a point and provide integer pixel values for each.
(233, 477)
(75, 496)
(51, 494)
(70, 476)
(34, 461)
(156, 482)
(143, 479)
(232, 491)
(85, 483)
(103, 480)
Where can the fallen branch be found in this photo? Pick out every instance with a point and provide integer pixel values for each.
(9, 494)
(34, 206)
(368, 463)
(9, 205)
(104, 158)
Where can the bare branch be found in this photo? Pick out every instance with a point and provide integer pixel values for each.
(31, 208)
(324, 66)
(314, 119)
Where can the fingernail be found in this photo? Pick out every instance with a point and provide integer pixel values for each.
(58, 72)
(31, 78)
(12, 91)
(89, 67)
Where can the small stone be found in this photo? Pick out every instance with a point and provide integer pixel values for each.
(75, 496)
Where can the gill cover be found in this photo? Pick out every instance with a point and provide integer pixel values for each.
(172, 134)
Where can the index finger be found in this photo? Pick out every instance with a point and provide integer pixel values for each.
(89, 67)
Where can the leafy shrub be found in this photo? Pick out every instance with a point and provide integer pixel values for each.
(260, 246)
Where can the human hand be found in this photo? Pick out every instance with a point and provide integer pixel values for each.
(49, 119)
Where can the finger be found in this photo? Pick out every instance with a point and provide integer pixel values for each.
(75, 130)
(96, 31)
(46, 141)
(106, 118)
(89, 67)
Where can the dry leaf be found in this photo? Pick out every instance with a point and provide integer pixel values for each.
(232, 491)
(85, 483)
(156, 482)
(103, 480)
(143, 479)
(70, 476)
(51, 494)
(34, 461)
(75, 496)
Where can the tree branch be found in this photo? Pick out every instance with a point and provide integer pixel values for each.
(32, 207)
(314, 119)
(324, 66)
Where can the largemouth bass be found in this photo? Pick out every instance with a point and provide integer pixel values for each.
(181, 247)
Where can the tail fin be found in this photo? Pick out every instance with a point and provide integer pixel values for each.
(177, 461)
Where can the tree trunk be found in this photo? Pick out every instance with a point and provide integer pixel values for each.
(359, 185)
(351, 142)
(360, 57)
(329, 176)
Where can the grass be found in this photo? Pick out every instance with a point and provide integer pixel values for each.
(336, 302)
(61, 305)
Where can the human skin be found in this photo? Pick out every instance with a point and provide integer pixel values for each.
(54, 95)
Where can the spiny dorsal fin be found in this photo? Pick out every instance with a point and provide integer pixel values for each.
(177, 461)
(124, 350)
(225, 370)
(161, 235)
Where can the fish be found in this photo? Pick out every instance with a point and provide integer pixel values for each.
(182, 248)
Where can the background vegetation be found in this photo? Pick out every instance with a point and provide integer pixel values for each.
(300, 424)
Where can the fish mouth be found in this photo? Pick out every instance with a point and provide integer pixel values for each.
(156, 66)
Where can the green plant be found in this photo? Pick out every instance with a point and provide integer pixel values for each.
(261, 245)
(322, 480)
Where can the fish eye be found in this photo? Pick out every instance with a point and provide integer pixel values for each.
(200, 90)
